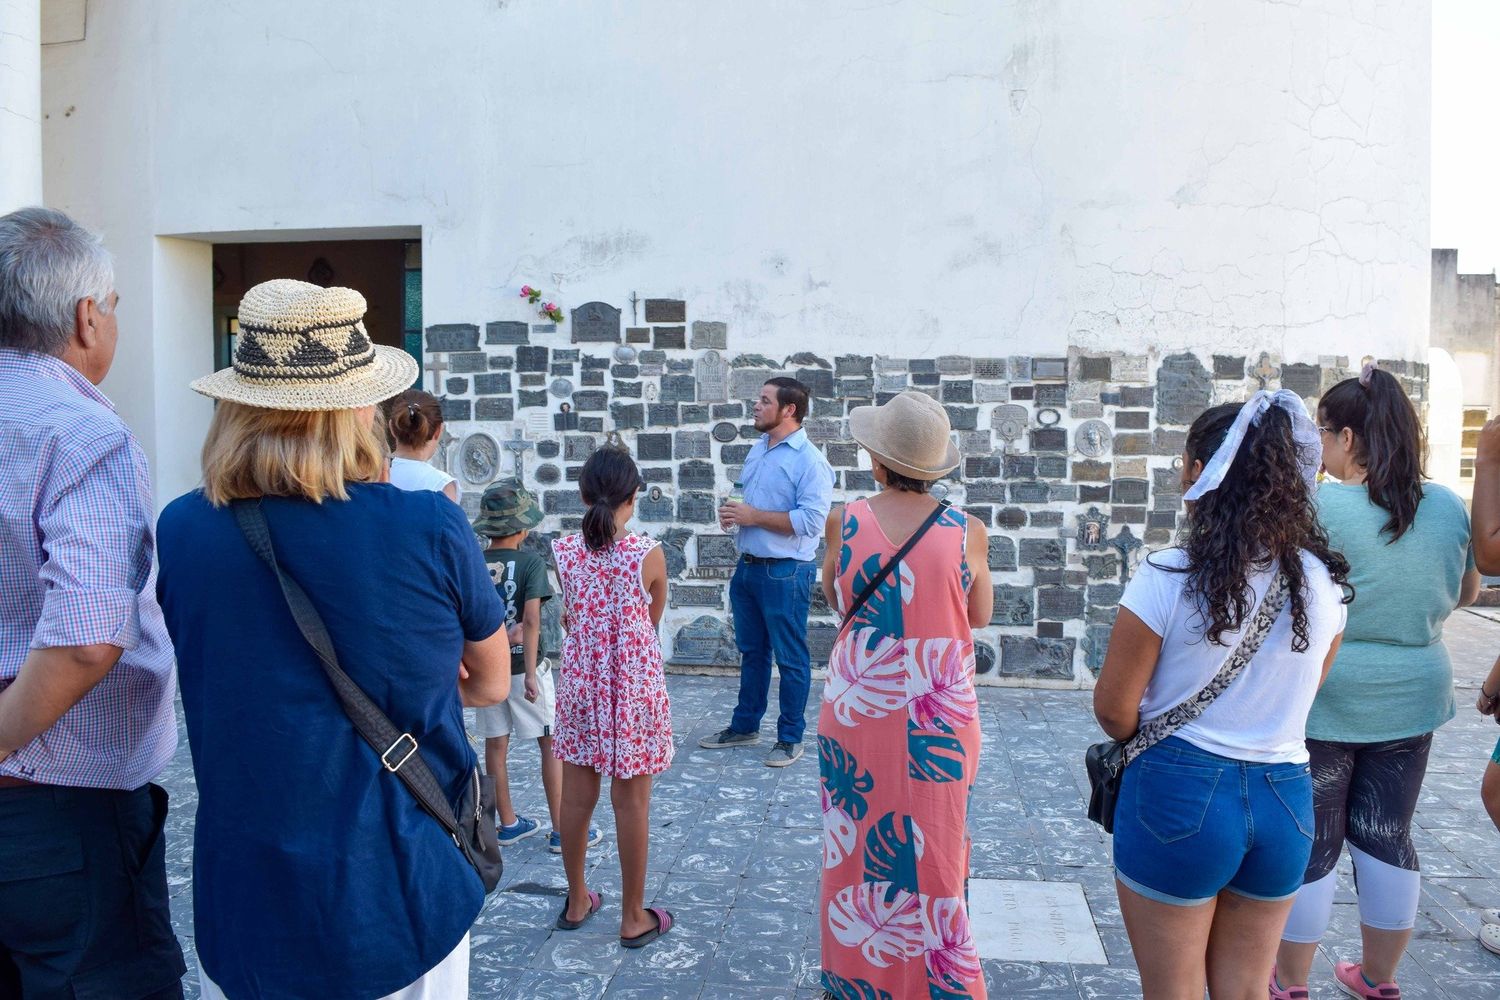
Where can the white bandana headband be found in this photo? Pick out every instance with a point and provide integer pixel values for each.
(1304, 434)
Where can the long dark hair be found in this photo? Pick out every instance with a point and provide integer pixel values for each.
(609, 478)
(414, 418)
(1388, 442)
(1262, 513)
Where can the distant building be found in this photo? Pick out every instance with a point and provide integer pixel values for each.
(1466, 324)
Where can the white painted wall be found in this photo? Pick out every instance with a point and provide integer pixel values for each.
(1445, 421)
(959, 175)
(20, 104)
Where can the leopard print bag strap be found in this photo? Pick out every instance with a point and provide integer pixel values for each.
(1182, 713)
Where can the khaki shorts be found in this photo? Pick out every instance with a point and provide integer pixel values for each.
(515, 716)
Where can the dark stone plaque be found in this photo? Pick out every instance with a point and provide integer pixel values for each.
(548, 448)
(502, 362)
(1132, 444)
(669, 338)
(592, 378)
(1305, 380)
(1002, 553)
(627, 416)
(734, 454)
(492, 385)
(678, 388)
(469, 363)
(706, 641)
(578, 447)
(691, 444)
(548, 474)
(1184, 389)
(686, 595)
(627, 390)
(495, 408)
(1052, 467)
(1091, 472)
(1132, 420)
(1013, 605)
(1095, 645)
(662, 415)
(963, 418)
(696, 508)
(863, 389)
(531, 359)
(1129, 491)
(991, 368)
(1093, 369)
(637, 335)
(847, 365)
(695, 413)
(1027, 491)
(1043, 552)
(1137, 396)
(695, 474)
(655, 507)
(590, 401)
(1059, 603)
(591, 425)
(984, 658)
(506, 332)
(455, 409)
(819, 381)
(1023, 656)
(453, 337)
(717, 551)
(1105, 594)
(745, 383)
(710, 334)
(958, 391)
(1049, 369)
(727, 411)
(562, 502)
(859, 481)
(986, 491)
(1228, 368)
(982, 467)
(1053, 396)
(666, 311)
(456, 386)
(1010, 518)
(1168, 442)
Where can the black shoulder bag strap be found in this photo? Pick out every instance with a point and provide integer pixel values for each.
(398, 751)
(885, 571)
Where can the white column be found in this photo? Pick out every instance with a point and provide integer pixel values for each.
(20, 103)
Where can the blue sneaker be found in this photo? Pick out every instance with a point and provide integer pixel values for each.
(554, 839)
(518, 831)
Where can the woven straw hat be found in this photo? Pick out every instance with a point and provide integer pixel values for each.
(303, 347)
(910, 435)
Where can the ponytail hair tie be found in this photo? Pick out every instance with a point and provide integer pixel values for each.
(1304, 435)
(1365, 373)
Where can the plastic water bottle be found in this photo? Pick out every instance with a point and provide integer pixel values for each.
(736, 495)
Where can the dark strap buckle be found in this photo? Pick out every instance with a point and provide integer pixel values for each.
(405, 741)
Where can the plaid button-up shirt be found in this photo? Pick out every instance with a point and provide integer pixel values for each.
(76, 569)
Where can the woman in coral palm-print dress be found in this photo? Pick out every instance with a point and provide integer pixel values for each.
(898, 734)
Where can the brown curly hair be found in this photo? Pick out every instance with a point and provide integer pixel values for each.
(1260, 515)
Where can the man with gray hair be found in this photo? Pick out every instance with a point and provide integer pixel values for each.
(86, 684)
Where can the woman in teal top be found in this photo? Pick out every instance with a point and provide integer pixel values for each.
(1370, 729)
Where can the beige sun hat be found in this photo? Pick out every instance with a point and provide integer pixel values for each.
(910, 435)
(304, 347)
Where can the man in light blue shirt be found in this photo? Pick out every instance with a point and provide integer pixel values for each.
(788, 489)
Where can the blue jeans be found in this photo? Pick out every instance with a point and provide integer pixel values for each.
(770, 602)
(1190, 823)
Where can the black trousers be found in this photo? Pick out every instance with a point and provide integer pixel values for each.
(83, 895)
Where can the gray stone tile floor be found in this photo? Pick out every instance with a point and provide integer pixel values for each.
(736, 855)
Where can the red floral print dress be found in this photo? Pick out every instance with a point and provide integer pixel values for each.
(612, 708)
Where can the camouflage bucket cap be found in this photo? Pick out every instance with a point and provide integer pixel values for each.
(506, 509)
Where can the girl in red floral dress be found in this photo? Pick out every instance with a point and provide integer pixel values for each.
(612, 712)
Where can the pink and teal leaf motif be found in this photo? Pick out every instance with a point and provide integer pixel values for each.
(840, 988)
(892, 848)
(866, 676)
(946, 989)
(884, 923)
(934, 756)
(948, 939)
(941, 685)
(846, 551)
(843, 781)
(839, 832)
(882, 612)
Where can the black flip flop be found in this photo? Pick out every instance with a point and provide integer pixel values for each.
(564, 924)
(664, 922)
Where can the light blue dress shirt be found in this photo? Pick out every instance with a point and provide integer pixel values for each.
(793, 477)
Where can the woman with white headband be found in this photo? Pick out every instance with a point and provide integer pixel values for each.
(1370, 729)
(1218, 650)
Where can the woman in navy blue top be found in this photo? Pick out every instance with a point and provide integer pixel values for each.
(315, 872)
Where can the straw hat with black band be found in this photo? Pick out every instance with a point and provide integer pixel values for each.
(304, 347)
(910, 434)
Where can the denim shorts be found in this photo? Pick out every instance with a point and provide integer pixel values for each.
(1190, 823)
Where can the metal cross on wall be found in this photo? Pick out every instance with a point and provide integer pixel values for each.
(437, 366)
(518, 446)
(445, 442)
(1264, 371)
(1126, 544)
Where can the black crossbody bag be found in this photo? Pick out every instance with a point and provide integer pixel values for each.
(885, 571)
(1106, 762)
(472, 828)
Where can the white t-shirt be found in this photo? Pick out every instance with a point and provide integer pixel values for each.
(1262, 715)
(410, 474)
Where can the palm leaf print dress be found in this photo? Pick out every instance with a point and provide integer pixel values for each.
(898, 748)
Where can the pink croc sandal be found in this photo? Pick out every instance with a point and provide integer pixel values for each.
(664, 923)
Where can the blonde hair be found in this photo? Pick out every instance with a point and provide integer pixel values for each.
(252, 452)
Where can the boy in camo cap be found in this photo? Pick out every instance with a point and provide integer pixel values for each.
(507, 513)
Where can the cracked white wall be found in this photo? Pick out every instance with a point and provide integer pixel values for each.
(917, 178)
